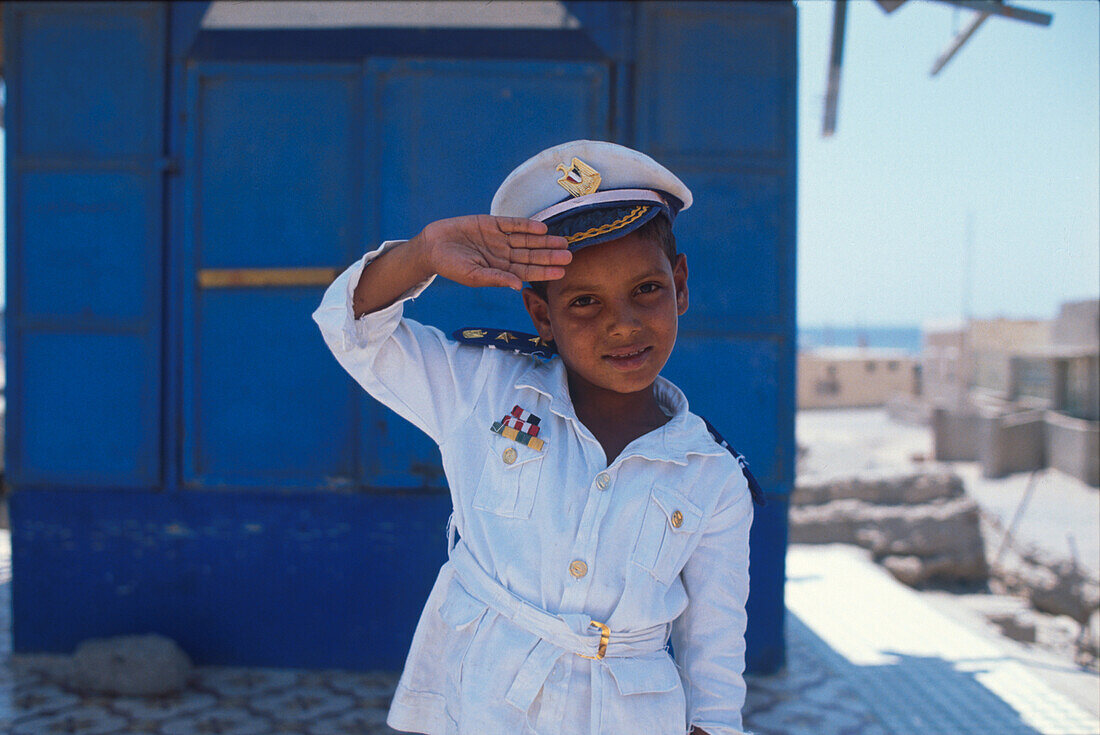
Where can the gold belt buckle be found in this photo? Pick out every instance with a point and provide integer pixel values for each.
(605, 636)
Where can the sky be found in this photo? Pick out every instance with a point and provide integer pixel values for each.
(1005, 138)
(1001, 150)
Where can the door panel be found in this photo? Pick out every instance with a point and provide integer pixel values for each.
(274, 184)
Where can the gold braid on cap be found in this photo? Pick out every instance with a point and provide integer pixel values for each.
(610, 226)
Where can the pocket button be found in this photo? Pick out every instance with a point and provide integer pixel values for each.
(677, 519)
(509, 455)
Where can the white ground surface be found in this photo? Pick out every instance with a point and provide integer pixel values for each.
(837, 443)
(921, 670)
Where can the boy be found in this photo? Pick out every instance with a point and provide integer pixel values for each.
(596, 514)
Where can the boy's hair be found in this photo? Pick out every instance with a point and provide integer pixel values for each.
(657, 230)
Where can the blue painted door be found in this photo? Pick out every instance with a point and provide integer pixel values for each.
(307, 166)
(274, 180)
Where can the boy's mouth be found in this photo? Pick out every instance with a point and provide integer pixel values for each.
(626, 358)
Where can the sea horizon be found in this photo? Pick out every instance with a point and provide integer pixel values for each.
(905, 337)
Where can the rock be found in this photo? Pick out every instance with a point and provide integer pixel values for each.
(932, 543)
(942, 569)
(139, 665)
(908, 489)
(1068, 593)
(923, 530)
(1018, 626)
(906, 569)
(834, 522)
(1053, 586)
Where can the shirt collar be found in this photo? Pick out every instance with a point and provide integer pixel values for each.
(683, 435)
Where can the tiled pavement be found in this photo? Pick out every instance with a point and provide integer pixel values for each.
(867, 657)
(915, 669)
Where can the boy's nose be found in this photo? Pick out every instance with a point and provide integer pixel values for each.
(622, 319)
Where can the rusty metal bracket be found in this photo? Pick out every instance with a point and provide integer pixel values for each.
(265, 277)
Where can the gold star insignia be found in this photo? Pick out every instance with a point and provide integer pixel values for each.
(505, 336)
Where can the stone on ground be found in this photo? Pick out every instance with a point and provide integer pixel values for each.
(137, 665)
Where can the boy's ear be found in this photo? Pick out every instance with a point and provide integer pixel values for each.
(540, 313)
(680, 279)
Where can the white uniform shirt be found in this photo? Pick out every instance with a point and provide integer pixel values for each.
(658, 538)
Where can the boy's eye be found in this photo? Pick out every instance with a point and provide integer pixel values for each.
(648, 287)
(582, 301)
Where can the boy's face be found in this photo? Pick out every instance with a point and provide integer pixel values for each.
(613, 316)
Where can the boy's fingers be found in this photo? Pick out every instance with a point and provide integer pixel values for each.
(541, 256)
(520, 224)
(538, 272)
(531, 241)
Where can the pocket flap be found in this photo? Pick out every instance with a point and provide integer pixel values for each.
(648, 674)
(460, 608)
(519, 455)
(682, 515)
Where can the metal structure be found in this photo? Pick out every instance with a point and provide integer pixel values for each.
(983, 9)
(185, 455)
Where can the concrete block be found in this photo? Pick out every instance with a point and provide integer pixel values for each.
(907, 489)
(1073, 446)
(1012, 443)
(954, 435)
(938, 542)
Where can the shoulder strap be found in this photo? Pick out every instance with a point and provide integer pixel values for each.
(754, 486)
(505, 339)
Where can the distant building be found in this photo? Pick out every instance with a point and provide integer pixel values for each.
(1018, 395)
(849, 377)
(945, 364)
(958, 357)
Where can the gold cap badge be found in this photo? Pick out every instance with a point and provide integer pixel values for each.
(579, 178)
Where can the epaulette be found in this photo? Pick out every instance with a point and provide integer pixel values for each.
(505, 339)
(754, 486)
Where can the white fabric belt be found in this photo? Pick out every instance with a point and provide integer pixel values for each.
(557, 634)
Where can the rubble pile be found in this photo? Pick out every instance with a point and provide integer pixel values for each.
(1057, 587)
(920, 526)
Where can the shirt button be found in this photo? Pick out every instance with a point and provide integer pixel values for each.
(509, 455)
(578, 568)
(677, 519)
(603, 480)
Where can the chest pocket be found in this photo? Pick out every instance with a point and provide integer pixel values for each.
(668, 528)
(509, 479)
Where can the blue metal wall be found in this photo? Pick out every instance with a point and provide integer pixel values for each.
(189, 459)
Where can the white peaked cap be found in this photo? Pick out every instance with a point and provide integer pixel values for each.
(533, 186)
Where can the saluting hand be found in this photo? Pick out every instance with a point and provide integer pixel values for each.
(482, 250)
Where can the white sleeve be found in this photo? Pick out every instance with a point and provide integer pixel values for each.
(709, 636)
(413, 369)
